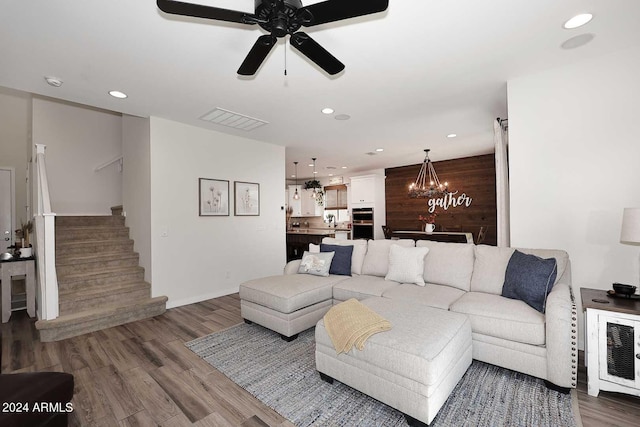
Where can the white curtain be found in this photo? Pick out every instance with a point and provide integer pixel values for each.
(501, 139)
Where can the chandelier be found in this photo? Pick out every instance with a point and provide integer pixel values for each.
(427, 183)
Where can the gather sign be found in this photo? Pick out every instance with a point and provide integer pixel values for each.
(449, 200)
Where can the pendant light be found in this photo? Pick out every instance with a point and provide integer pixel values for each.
(296, 195)
(314, 192)
(427, 183)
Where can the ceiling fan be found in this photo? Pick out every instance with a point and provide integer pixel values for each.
(281, 18)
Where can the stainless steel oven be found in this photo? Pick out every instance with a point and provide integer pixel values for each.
(362, 223)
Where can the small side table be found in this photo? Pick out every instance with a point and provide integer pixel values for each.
(612, 341)
(17, 267)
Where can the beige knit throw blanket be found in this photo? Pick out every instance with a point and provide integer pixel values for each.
(352, 323)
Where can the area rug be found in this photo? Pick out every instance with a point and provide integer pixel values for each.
(282, 375)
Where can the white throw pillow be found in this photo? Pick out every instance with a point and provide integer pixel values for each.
(314, 249)
(316, 264)
(406, 265)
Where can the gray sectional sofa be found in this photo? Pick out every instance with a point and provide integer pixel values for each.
(462, 279)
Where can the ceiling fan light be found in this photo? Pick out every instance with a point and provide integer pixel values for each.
(578, 21)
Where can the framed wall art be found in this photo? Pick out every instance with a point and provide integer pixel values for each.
(214, 197)
(247, 198)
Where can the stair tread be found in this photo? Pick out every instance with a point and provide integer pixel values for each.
(81, 227)
(99, 312)
(74, 259)
(107, 289)
(103, 273)
(81, 242)
(86, 243)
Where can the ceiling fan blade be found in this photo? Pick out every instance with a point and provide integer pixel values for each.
(202, 11)
(312, 50)
(256, 55)
(336, 10)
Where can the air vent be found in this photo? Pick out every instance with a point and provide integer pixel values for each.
(230, 119)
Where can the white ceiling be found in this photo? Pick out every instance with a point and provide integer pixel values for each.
(415, 73)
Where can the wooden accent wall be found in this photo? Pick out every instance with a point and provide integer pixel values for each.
(474, 176)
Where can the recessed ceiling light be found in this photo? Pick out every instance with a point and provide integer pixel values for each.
(310, 165)
(293, 176)
(451, 135)
(344, 167)
(53, 81)
(117, 94)
(379, 150)
(330, 174)
(327, 110)
(578, 21)
(342, 117)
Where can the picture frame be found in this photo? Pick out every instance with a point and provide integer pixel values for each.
(213, 197)
(246, 198)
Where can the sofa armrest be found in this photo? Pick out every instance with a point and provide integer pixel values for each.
(292, 266)
(562, 336)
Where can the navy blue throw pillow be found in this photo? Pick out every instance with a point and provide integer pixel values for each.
(341, 263)
(529, 278)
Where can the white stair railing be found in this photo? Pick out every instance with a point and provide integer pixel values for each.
(47, 295)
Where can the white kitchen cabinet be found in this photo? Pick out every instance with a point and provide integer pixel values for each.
(363, 190)
(309, 205)
(296, 205)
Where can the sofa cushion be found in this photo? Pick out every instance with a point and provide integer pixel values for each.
(418, 352)
(562, 258)
(433, 295)
(529, 278)
(376, 261)
(317, 264)
(448, 264)
(359, 251)
(406, 265)
(501, 317)
(361, 287)
(341, 262)
(291, 292)
(491, 264)
(489, 268)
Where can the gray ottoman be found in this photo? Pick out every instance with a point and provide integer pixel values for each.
(287, 304)
(413, 367)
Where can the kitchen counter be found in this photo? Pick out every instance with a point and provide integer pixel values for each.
(298, 239)
(317, 231)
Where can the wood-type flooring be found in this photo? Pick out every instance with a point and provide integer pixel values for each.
(141, 374)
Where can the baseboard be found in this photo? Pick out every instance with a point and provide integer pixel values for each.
(173, 303)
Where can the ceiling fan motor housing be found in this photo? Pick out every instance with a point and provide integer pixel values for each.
(280, 16)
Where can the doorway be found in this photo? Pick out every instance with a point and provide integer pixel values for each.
(7, 207)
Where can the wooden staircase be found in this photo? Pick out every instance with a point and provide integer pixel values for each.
(100, 282)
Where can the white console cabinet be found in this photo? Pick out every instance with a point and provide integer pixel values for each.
(612, 343)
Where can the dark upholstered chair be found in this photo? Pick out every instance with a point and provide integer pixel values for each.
(47, 395)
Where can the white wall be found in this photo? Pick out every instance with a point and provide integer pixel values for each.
(574, 153)
(79, 138)
(15, 130)
(136, 186)
(205, 257)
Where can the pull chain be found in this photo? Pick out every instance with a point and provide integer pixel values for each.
(285, 56)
